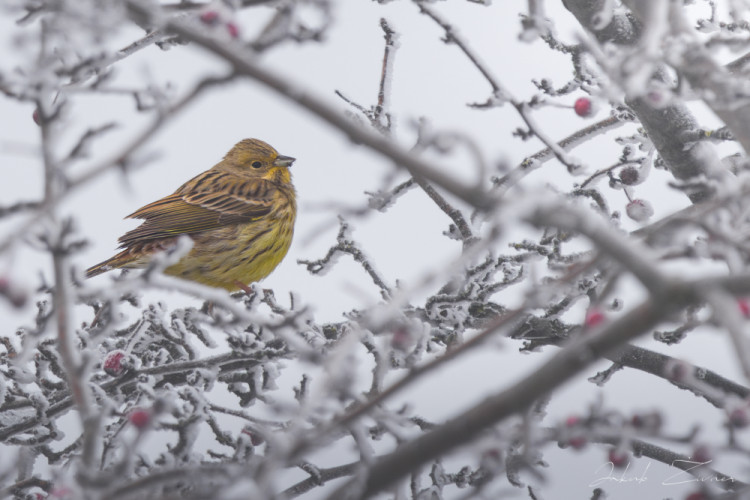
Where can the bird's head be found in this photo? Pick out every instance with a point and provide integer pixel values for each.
(255, 158)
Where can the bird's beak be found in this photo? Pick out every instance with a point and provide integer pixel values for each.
(283, 161)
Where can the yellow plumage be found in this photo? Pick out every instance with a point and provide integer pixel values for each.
(240, 215)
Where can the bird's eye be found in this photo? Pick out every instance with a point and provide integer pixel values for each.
(257, 164)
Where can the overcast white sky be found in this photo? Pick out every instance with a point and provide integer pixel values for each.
(429, 80)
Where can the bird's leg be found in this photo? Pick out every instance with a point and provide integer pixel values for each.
(208, 308)
(104, 309)
(245, 288)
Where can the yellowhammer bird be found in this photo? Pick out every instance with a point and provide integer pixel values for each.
(240, 215)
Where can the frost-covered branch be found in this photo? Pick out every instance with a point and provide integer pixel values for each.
(250, 67)
(145, 385)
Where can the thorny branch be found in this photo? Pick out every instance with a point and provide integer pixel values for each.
(347, 246)
(159, 374)
(380, 119)
(499, 94)
(121, 159)
(249, 67)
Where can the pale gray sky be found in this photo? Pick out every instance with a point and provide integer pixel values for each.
(429, 79)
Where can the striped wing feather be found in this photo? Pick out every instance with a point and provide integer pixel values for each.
(187, 211)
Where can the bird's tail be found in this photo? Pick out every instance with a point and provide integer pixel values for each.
(122, 259)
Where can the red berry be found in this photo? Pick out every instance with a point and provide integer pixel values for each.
(140, 418)
(61, 492)
(233, 30)
(17, 298)
(16, 295)
(647, 421)
(639, 210)
(113, 364)
(577, 443)
(697, 495)
(702, 454)
(739, 418)
(677, 370)
(583, 107)
(400, 339)
(594, 317)
(210, 17)
(255, 438)
(618, 458)
(491, 459)
(572, 421)
(744, 306)
(656, 98)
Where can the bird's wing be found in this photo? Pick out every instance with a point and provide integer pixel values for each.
(192, 210)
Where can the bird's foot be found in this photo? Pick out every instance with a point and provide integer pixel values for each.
(245, 288)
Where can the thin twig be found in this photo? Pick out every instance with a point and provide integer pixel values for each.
(248, 66)
(417, 373)
(627, 253)
(498, 91)
(462, 429)
(119, 159)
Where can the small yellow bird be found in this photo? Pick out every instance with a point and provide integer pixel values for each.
(240, 215)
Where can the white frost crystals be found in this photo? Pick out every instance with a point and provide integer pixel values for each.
(639, 210)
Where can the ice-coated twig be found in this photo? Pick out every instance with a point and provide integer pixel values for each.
(323, 476)
(119, 160)
(466, 426)
(380, 119)
(345, 245)
(700, 68)
(498, 92)
(727, 313)
(20, 206)
(248, 66)
(665, 123)
(580, 137)
(417, 373)
(635, 259)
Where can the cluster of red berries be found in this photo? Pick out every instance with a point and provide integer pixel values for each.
(213, 18)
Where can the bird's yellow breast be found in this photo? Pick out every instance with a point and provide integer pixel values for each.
(238, 254)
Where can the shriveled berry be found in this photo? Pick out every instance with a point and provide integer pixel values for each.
(255, 438)
(629, 176)
(650, 421)
(115, 363)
